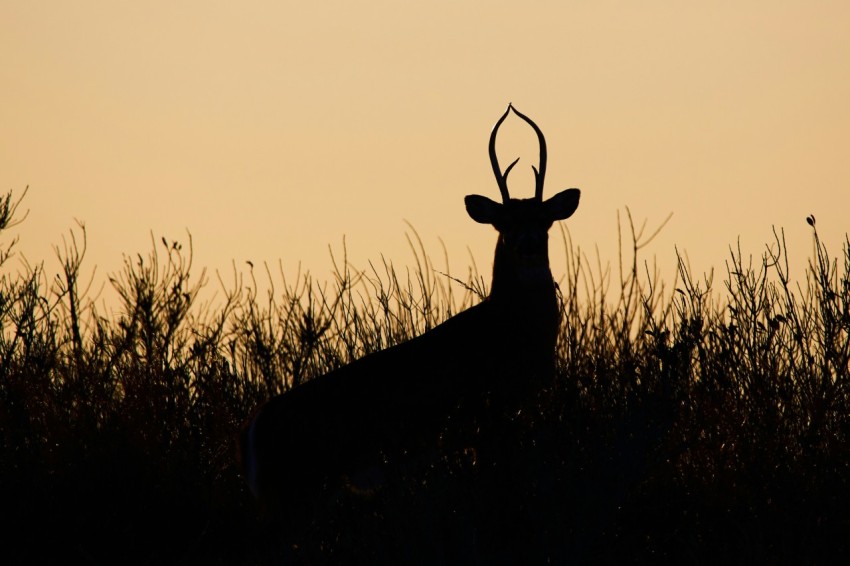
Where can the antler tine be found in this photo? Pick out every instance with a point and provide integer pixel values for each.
(501, 179)
(540, 174)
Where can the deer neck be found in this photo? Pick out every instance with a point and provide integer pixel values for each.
(527, 307)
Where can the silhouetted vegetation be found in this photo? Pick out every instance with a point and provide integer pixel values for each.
(687, 423)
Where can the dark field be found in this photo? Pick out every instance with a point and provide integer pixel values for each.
(691, 422)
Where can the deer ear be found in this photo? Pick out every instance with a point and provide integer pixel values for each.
(562, 205)
(483, 210)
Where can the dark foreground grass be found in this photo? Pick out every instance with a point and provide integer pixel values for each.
(682, 425)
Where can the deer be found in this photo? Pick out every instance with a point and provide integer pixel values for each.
(491, 356)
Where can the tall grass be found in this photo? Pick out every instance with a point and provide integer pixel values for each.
(687, 421)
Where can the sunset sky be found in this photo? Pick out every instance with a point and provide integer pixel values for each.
(272, 129)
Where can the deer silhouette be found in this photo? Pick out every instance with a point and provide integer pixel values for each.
(495, 354)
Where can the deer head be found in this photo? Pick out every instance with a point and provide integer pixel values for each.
(521, 263)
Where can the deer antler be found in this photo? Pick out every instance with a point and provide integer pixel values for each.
(540, 174)
(501, 179)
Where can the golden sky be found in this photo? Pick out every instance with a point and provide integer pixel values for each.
(272, 129)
